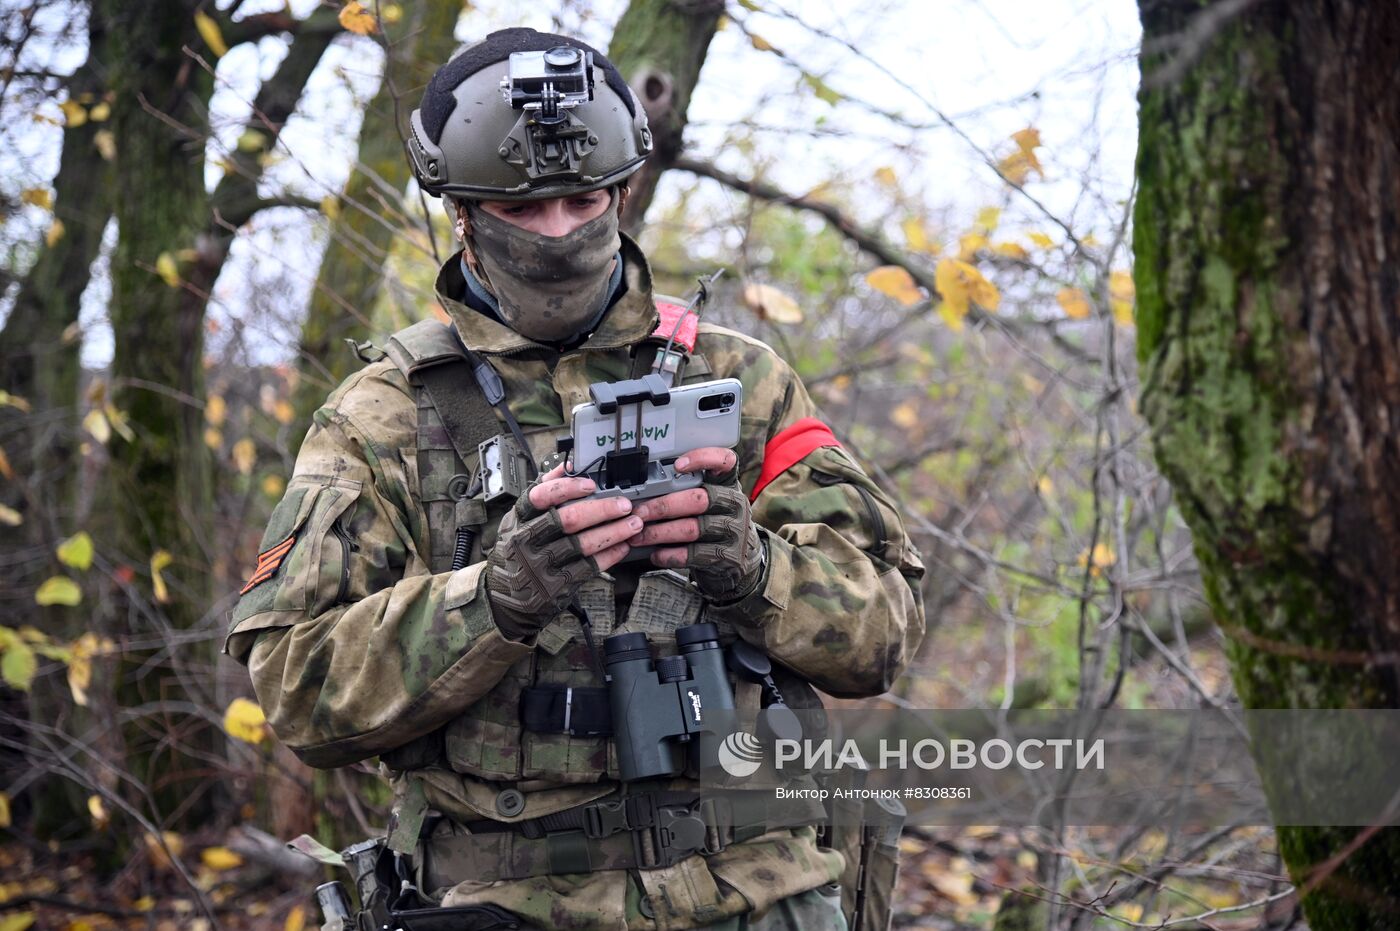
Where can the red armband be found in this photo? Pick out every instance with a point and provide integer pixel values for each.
(789, 447)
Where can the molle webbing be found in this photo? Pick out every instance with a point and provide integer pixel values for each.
(453, 419)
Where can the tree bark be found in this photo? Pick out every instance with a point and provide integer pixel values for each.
(39, 354)
(371, 212)
(1265, 233)
(157, 491)
(660, 46)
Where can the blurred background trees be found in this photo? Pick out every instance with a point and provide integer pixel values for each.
(202, 201)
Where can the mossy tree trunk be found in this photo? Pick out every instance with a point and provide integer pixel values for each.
(156, 491)
(660, 46)
(371, 210)
(1266, 233)
(39, 353)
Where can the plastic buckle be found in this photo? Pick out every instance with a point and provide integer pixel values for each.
(678, 833)
(604, 819)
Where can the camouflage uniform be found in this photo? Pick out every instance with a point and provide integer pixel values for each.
(357, 649)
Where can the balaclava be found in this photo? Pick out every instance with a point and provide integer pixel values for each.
(548, 288)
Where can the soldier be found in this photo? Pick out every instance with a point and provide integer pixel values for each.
(397, 610)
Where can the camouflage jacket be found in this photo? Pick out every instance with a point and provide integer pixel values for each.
(357, 649)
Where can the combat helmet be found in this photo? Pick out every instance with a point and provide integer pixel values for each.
(525, 115)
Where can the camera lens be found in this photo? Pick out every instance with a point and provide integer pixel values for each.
(561, 56)
(716, 402)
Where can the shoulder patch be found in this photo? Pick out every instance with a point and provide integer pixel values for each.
(268, 564)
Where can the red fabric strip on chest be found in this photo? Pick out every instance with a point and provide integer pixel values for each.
(689, 330)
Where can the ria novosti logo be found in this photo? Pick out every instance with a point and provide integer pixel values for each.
(740, 754)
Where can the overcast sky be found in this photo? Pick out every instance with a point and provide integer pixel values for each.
(1066, 67)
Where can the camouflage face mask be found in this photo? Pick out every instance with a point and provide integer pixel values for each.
(550, 288)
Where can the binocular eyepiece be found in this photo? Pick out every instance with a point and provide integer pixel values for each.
(657, 707)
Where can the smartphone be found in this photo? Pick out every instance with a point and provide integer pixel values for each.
(703, 414)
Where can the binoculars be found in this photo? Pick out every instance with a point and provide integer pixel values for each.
(658, 707)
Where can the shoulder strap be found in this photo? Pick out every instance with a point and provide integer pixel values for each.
(432, 357)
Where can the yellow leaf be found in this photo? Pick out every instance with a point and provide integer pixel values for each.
(76, 551)
(245, 721)
(1044, 485)
(54, 232)
(895, 282)
(1012, 250)
(96, 424)
(59, 590)
(823, 90)
(917, 236)
(117, 420)
(74, 113)
(771, 304)
(168, 271)
(952, 314)
(4, 810)
(106, 143)
(213, 438)
(1074, 302)
(10, 517)
(18, 921)
(1121, 293)
(886, 176)
(13, 400)
(1027, 139)
(273, 486)
(245, 456)
(987, 219)
(79, 924)
(253, 141)
(1120, 286)
(391, 13)
(1041, 240)
(906, 416)
(959, 282)
(355, 18)
(144, 904)
(215, 410)
(283, 411)
(98, 811)
(210, 33)
(330, 206)
(18, 665)
(160, 559)
(100, 112)
(38, 197)
(7, 470)
(969, 244)
(760, 43)
(80, 664)
(160, 850)
(1132, 911)
(1103, 557)
(1089, 241)
(220, 858)
(296, 919)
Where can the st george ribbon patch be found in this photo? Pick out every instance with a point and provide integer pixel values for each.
(268, 563)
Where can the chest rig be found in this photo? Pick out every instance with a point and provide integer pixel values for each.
(548, 718)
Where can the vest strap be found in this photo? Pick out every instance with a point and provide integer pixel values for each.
(579, 711)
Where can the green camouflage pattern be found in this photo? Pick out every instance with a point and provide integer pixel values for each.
(697, 892)
(357, 648)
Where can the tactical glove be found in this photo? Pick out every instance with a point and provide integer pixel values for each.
(533, 570)
(726, 559)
